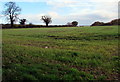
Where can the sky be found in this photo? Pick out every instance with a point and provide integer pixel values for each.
(85, 12)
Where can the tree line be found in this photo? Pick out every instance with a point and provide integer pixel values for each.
(12, 11)
(113, 22)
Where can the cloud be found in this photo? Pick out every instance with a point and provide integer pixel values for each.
(36, 18)
(62, 3)
(104, 1)
(59, 0)
(53, 14)
(83, 19)
(32, 18)
(21, 0)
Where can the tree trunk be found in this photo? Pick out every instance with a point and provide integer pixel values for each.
(11, 24)
(46, 24)
(11, 21)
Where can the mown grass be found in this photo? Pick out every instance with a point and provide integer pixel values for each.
(70, 53)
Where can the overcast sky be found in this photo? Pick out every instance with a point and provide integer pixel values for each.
(63, 11)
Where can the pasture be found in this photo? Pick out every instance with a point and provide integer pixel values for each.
(65, 53)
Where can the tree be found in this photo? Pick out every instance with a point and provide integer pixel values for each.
(115, 22)
(74, 23)
(11, 12)
(46, 20)
(98, 23)
(22, 21)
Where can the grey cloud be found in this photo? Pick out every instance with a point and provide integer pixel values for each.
(87, 19)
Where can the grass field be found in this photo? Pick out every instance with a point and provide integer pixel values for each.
(70, 53)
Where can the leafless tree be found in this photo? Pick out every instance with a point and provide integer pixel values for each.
(46, 20)
(11, 12)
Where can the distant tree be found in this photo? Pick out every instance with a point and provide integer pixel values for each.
(115, 22)
(98, 23)
(22, 21)
(74, 23)
(11, 12)
(30, 23)
(46, 20)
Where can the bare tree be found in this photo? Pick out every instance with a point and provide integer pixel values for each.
(11, 12)
(22, 21)
(46, 20)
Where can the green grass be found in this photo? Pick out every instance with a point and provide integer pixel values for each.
(70, 53)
